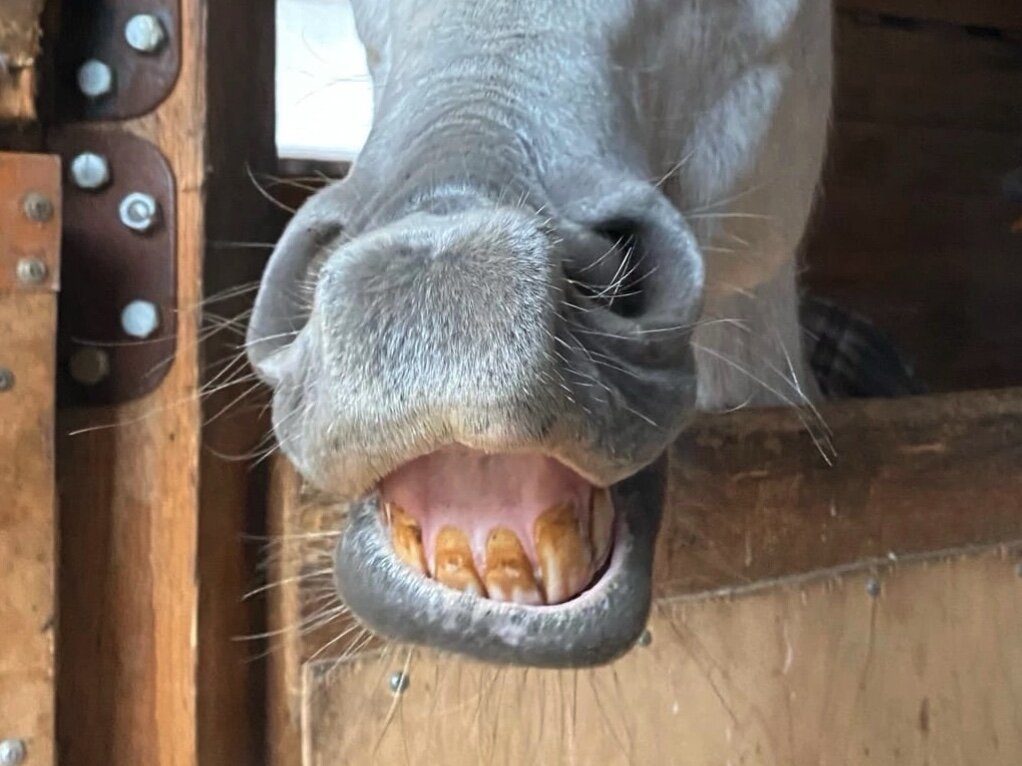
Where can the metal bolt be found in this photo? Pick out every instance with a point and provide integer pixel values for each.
(89, 366)
(90, 171)
(399, 682)
(12, 752)
(139, 212)
(38, 207)
(140, 319)
(645, 639)
(873, 587)
(6, 379)
(95, 78)
(144, 33)
(31, 270)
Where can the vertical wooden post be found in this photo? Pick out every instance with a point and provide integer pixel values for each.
(128, 479)
(28, 319)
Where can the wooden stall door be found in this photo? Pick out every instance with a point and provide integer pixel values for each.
(29, 242)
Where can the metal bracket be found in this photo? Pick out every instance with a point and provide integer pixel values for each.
(118, 306)
(116, 58)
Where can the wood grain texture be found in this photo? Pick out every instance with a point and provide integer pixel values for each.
(28, 510)
(928, 672)
(233, 493)
(129, 505)
(20, 37)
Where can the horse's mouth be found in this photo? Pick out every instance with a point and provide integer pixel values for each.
(505, 558)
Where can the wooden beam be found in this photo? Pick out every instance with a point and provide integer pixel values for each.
(28, 327)
(233, 487)
(129, 506)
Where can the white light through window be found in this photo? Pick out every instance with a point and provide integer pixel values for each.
(324, 95)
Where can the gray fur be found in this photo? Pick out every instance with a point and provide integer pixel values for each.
(507, 135)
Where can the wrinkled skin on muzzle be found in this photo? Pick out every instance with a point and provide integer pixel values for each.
(482, 337)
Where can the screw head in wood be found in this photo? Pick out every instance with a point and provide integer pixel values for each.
(873, 587)
(6, 379)
(31, 270)
(12, 752)
(399, 682)
(37, 207)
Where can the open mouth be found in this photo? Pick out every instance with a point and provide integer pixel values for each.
(514, 527)
(508, 558)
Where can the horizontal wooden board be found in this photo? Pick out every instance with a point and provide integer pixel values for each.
(927, 672)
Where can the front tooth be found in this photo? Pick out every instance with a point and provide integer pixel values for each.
(602, 527)
(454, 566)
(508, 571)
(564, 557)
(406, 536)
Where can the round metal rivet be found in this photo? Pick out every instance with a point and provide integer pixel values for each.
(144, 33)
(90, 171)
(873, 587)
(89, 366)
(139, 212)
(38, 207)
(645, 639)
(6, 379)
(12, 752)
(399, 682)
(95, 78)
(31, 270)
(140, 319)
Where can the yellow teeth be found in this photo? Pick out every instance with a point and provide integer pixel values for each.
(508, 570)
(406, 535)
(454, 566)
(601, 529)
(564, 557)
(570, 549)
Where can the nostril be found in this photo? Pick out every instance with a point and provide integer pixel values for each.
(614, 278)
(287, 291)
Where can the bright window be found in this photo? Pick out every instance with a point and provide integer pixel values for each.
(324, 95)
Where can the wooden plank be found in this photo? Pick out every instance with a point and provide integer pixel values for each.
(927, 672)
(20, 37)
(996, 14)
(129, 507)
(27, 513)
(232, 726)
(285, 666)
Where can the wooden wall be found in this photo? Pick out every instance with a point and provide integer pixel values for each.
(915, 228)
